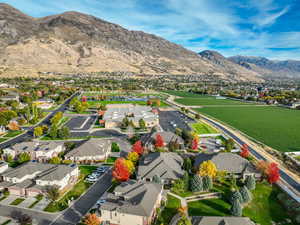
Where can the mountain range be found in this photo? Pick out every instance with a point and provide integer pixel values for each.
(74, 42)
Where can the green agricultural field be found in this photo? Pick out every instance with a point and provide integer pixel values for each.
(274, 126)
(183, 94)
(203, 100)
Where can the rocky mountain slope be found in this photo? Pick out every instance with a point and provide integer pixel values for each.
(264, 66)
(73, 42)
(222, 63)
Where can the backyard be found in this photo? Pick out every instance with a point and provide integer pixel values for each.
(271, 125)
(171, 208)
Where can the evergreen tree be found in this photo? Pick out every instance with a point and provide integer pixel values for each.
(235, 195)
(236, 208)
(246, 195)
(186, 180)
(64, 132)
(53, 131)
(187, 164)
(250, 182)
(196, 184)
(207, 183)
(156, 179)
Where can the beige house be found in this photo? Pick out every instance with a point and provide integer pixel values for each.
(132, 203)
(115, 114)
(31, 179)
(41, 151)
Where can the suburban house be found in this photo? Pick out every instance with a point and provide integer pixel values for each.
(41, 151)
(133, 202)
(166, 165)
(230, 162)
(115, 114)
(218, 220)
(3, 166)
(31, 179)
(148, 140)
(91, 150)
(44, 103)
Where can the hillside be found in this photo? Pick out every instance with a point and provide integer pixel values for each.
(73, 42)
(264, 66)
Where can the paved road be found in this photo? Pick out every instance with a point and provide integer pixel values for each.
(74, 214)
(28, 135)
(284, 176)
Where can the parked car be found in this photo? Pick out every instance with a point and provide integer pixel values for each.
(100, 202)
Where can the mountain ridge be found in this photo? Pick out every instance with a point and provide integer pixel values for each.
(74, 42)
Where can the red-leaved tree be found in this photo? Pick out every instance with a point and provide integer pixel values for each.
(138, 147)
(273, 173)
(195, 144)
(120, 171)
(159, 141)
(245, 151)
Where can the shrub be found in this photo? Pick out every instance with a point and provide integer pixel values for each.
(196, 184)
(236, 208)
(250, 182)
(246, 195)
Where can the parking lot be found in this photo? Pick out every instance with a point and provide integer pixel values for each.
(81, 123)
(170, 120)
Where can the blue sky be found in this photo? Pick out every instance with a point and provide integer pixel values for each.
(269, 28)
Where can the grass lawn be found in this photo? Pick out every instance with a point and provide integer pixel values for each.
(182, 93)
(13, 133)
(265, 207)
(74, 193)
(209, 207)
(111, 159)
(95, 103)
(274, 126)
(17, 201)
(3, 139)
(170, 209)
(203, 128)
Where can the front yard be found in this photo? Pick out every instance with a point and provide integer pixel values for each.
(74, 193)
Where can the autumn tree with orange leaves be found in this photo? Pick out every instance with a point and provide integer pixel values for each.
(159, 141)
(120, 171)
(245, 151)
(92, 219)
(138, 147)
(269, 170)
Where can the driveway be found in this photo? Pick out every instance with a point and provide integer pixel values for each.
(178, 118)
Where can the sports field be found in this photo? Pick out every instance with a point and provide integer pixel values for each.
(274, 126)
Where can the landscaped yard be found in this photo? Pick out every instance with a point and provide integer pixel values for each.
(13, 133)
(274, 126)
(263, 209)
(74, 193)
(17, 201)
(170, 210)
(203, 128)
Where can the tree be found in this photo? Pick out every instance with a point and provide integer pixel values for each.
(120, 170)
(64, 132)
(184, 221)
(130, 166)
(23, 157)
(125, 122)
(235, 195)
(156, 179)
(229, 144)
(273, 173)
(13, 125)
(24, 219)
(38, 131)
(56, 118)
(195, 143)
(186, 180)
(115, 147)
(207, 183)
(250, 182)
(208, 168)
(133, 156)
(92, 219)
(53, 131)
(196, 184)
(178, 186)
(246, 195)
(52, 193)
(245, 151)
(142, 124)
(187, 164)
(236, 208)
(159, 141)
(138, 147)
(55, 160)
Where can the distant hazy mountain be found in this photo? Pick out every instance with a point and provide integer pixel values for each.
(222, 63)
(261, 65)
(75, 42)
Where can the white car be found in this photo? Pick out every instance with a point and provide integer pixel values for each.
(100, 202)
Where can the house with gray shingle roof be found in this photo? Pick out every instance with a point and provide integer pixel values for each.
(96, 149)
(218, 220)
(31, 178)
(166, 165)
(148, 140)
(230, 162)
(133, 202)
(38, 150)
